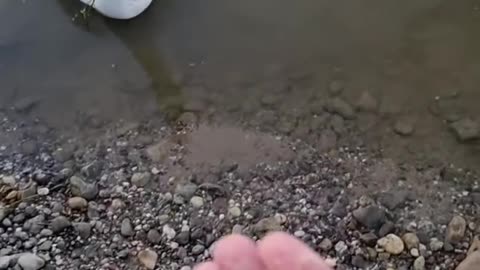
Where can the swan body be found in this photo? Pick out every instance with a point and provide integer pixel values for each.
(119, 9)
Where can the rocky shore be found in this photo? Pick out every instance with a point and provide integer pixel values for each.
(137, 196)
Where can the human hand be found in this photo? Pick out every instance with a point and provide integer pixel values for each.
(276, 251)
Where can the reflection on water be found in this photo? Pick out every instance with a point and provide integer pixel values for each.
(267, 62)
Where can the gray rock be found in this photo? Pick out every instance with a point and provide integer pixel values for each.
(82, 188)
(367, 103)
(341, 248)
(326, 244)
(45, 246)
(394, 198)
(339, 208)
(29, 147)
(419, 263)
(19, 218)
(183, 238)
(411, 240)
(196, 201)
(267, 224)
(168, 232)
(64, 154)
(369, 238)
(154, 236)
(141, 179)
(30, 243)
(83, 229)
(6, 251)
(126, 228)
(435, 244)
(35, 224)
(340, 107)
(466, 129)
(59, 223)
(29, 261)
(7, 222)
(198, 249)
(4, 211)
(371, 217)
(359, 261)
(186, 190)
(456, 230)
(387, 227)
(7, 261)
(404, 127)
(93, 169)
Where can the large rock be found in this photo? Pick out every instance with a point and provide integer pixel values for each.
(392, 244)
(456, 230)
(29, 261)
(471, 262)
(80, 187)
(372, 217)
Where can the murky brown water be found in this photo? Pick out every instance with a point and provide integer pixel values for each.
(241, 59)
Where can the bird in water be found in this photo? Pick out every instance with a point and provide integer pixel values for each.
(119, 9)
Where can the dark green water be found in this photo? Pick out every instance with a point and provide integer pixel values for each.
(221, 56)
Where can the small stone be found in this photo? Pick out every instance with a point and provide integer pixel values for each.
(154, 236)
(45, 246)
(237, 229)
(456, 230)
(419, 263)
(183, 237)
(394, 198)
(7, 222)
(168, 232)
(326, 244)
(414, 252)
(359, 261)
(392, 244)
(403, 127)
(117, 204)
(186, 267)
(466, 129)
(371, 217)
(148, 258)
(411, 240)
(372, 253)
(126, 228)
(234, 211)
(141, 179)
(198, 249)
(340, 107)
(435, 244)
(77, 203)
(29, 147)
(83, 229)
(196, 201)
(266, 225)
(59, 223)
(387, 227)
(341, 248)
(29, 261)
(299, 234)
(46, 232)
(82, 188)
(367, 103)
(43, 191)
(369, 238)
(186, 190)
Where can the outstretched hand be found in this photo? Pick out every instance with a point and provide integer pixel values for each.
(276, 251)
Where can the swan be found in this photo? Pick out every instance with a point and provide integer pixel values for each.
(119, 9)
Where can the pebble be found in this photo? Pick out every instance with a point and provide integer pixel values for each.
(392, 244)
(196, 201)
(403, 127)
(154, 236)
(30, 261)
(148, 258)
(168, 232)
(235, 211)
(267, 225)
(7, 222)
(141, 179)
(77, 203)
(411, 240)
(414, 252)
(126, 228)
(456, 230)
(59, 223)
(299, 234)
(419, 263)
(81, 188)
(43, 191)
(83, 229)
(367, 103)
(466, 129)
(371, 217)
(435, 244)
(186, 190)
(341, 107)
(341, 248)
(45, 246)
(369, 238)
(198, 249)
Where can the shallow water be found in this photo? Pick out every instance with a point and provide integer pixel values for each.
(240, 58)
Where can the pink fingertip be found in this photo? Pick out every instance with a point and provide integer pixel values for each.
(281, 251)
(207, 266)
(237, 252)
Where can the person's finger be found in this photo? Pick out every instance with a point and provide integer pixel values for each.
(281, 251)
(207, 266)
(237, 252)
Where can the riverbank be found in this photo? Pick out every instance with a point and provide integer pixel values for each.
(133, 195)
